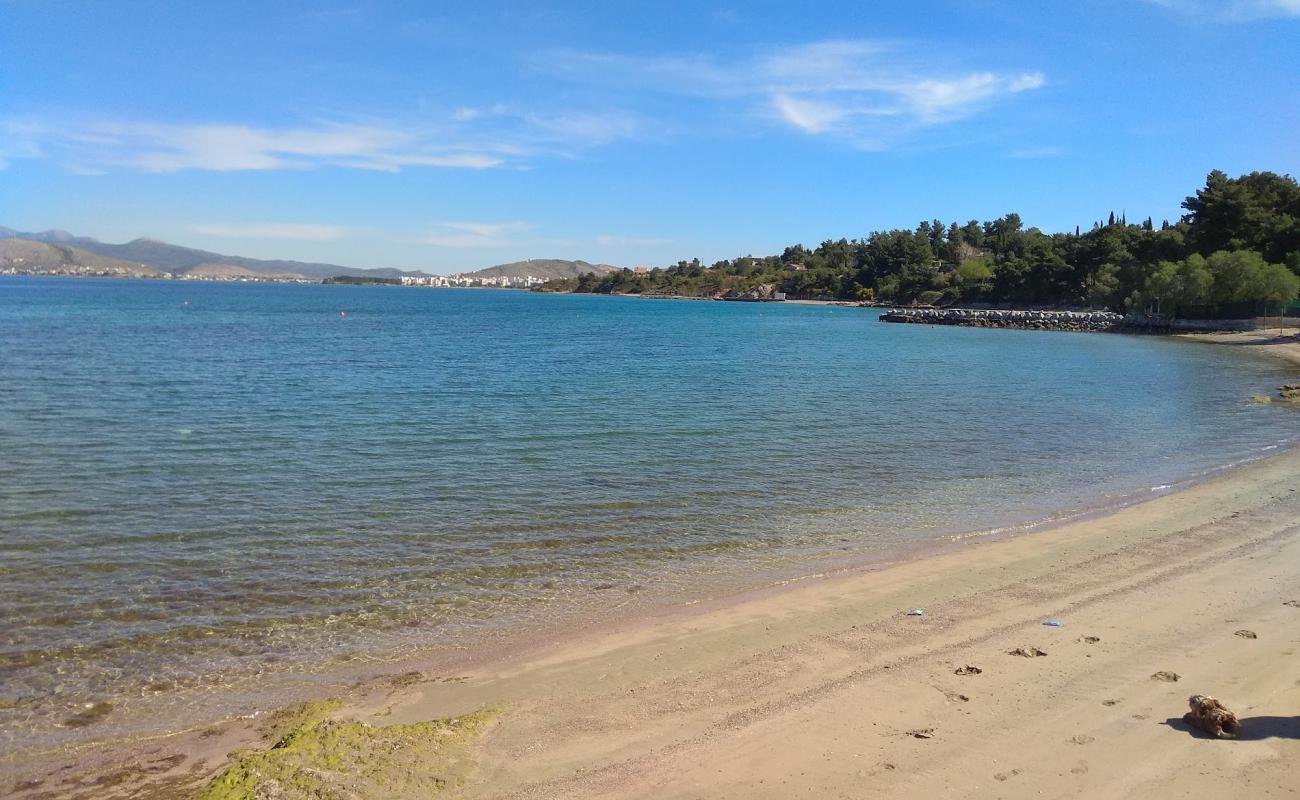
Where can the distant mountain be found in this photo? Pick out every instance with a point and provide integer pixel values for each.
(154, 255)
(29, 256)
(544, 268)
(181, 260)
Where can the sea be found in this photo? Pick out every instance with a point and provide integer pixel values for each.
(215, 496)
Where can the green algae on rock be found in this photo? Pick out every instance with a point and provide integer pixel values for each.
(314, 756)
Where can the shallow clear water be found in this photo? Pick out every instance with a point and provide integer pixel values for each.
(193, 495)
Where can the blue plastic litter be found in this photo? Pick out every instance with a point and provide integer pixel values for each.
(1051, 623)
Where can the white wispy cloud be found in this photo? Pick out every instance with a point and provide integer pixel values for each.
(867, 91)
(294, 231)
(473, 138)
(615, 240)
(1044, 151)
(1233, 10)
(222, 147)
(474, 235)
(520, 236)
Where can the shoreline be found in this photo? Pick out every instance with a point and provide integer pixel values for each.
(554, 678)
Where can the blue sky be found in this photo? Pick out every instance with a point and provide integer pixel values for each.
(452, 136)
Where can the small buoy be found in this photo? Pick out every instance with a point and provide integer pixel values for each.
(187, 302)
(343, 313)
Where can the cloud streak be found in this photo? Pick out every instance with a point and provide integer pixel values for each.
(292, 231)
(220, 147)
(1233, 10)
(464, 139)
(474, 235)
(872, 93)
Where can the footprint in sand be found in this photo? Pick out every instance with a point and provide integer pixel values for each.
(1032, 652)
(1082, 738)
(1002, 776)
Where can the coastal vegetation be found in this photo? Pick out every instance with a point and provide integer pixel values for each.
(1236, 250)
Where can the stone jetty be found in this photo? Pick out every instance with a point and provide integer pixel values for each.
(1004, 318)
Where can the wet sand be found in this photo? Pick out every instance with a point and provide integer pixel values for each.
(826, 688)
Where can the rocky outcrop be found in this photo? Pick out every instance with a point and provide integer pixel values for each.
(761, 292)
(1004, 318)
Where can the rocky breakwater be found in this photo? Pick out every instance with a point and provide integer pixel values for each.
(1002, 318)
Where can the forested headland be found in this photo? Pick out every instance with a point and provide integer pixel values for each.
(1237, 247)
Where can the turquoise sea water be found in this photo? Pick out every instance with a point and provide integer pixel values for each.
(211, 485)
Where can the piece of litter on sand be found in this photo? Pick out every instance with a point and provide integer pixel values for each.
(1165, 675)
(922, 733)
(1247, 634)
(916, 612)
(969, 669)
(1052, 623)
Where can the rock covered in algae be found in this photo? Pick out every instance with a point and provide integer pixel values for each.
(314, 756)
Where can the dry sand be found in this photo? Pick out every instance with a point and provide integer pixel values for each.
(827, 689)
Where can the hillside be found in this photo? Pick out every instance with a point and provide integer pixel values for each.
(179, 260)
(544, 268)
(218, 271)
(40, 258)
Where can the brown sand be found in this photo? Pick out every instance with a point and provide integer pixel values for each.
(826, 689)
(1284, 345)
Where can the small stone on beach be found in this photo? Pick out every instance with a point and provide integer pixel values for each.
(967, 670)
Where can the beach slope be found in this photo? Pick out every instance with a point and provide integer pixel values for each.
(829, 689)
(826, 688)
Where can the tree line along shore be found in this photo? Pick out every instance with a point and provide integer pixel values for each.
(1235, 253)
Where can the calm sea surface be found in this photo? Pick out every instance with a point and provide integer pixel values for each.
(208, 489)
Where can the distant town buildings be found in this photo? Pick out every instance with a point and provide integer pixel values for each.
(501, 282)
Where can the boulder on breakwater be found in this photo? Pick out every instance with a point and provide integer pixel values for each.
(1006, 318)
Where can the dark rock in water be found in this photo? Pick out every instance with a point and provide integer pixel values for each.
(92, 713)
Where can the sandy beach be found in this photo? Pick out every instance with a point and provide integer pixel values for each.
(828, 688)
